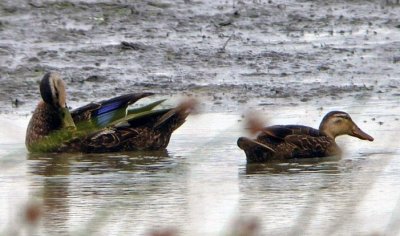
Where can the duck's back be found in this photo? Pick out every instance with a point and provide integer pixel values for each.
(297, 141)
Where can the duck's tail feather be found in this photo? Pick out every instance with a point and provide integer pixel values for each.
(246, 143)
(255, 151)
(177, 115)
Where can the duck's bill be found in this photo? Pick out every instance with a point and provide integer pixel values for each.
(357, 132)
(67, 121)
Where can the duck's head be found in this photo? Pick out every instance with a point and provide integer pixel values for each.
(52, 90)
(337, 123)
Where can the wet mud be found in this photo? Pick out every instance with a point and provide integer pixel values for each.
(229, 54)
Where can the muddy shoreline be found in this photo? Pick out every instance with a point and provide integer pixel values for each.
(228, 54)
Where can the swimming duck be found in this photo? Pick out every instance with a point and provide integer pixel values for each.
(105, 126)
(281, 142)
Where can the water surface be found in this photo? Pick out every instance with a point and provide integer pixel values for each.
(201, 184)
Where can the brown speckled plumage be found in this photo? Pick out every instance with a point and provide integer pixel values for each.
(44, 120)
(282, 142)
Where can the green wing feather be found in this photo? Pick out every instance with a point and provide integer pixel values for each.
(134, 117)
(146, 108)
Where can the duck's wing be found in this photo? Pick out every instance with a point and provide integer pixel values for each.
(256, 151)
(135, 131)
(270, 141)
(300, 141)
(308, 146)
(281, 131)
(101, 114)
(166, 119)
(296, 141)
(247, 144)
(145, 108)
(278, 133)
(285, 141)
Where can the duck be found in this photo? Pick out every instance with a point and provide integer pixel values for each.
(284, 142)
(99, 127)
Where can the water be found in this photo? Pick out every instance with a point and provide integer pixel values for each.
(202, 183)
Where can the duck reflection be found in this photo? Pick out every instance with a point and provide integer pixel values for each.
(54, 192)
(58, 171)
(61, 164)
(123, 161)
(323, 165)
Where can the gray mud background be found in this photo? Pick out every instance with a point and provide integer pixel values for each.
(230, 54)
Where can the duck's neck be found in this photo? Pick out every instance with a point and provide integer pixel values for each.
(324, 129)
(45, 120)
